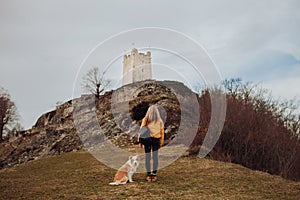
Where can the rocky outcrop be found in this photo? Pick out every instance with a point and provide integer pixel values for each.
(53, 133)
(85, 121)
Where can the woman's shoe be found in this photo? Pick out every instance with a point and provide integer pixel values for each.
(149, 178)
(154, 178)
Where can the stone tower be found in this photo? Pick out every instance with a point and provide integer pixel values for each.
(136, 67)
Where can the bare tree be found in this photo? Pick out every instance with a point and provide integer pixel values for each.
(8, 112)
(16, 130)
(95, 82)
(232, 85)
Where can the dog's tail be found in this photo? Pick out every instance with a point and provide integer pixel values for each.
(114, 183)
(118, 183)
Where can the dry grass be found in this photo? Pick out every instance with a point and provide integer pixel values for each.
(80, 176)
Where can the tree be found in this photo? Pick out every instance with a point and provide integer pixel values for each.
(15, 130)
(95, 82)
(8, 113)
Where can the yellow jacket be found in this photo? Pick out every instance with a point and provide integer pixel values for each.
(156, 129)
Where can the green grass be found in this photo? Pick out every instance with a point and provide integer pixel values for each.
(80, 176)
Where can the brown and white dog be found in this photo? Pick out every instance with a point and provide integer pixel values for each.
(124, 173)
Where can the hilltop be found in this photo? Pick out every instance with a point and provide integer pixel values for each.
(258, 133)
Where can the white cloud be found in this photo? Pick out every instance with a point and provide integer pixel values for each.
(285, 88)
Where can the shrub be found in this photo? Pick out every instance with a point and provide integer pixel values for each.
(259, 133)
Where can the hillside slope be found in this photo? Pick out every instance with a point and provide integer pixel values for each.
(78, 175)
(76, 124)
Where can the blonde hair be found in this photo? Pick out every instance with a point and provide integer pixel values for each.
(152, 114)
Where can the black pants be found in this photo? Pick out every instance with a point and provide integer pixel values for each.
(154, 148)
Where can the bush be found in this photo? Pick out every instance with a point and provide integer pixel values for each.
(259, 133)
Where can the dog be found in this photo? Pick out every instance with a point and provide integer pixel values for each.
(124, 173)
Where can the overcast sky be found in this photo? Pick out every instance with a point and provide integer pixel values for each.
(43, 43)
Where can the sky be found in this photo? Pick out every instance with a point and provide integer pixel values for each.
(43, 43)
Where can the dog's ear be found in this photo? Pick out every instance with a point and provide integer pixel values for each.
(130, 157)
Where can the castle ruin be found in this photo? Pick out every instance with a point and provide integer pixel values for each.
(136, 67)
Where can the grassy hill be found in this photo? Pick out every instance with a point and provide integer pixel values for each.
(80, 176)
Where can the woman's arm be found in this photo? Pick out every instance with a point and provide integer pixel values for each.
(144, 122)
(162, 134)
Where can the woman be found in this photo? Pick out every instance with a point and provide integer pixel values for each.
(155, 124)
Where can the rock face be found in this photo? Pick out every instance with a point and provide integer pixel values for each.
(53, 133)
(86, 121)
